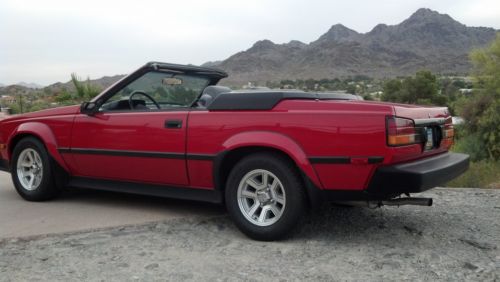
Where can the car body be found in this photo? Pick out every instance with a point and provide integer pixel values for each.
(208, 140)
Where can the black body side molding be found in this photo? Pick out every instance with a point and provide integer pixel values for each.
(344, 160)
(141, 154)
(184, 193)
(4, 165)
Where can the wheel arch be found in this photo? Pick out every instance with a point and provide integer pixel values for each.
(244, 144)
(43, 133)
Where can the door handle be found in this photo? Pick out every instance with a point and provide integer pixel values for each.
(173, 124)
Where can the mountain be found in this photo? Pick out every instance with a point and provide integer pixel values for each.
(25, 88)
(337, 33)
(426, 40)
(24, 85)
(211, 64)
(101, 83)
(29, 85)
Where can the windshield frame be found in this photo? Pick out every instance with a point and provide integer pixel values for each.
(214, 76)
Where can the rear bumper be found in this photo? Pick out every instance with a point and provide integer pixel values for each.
(417, 176)
(4, 165)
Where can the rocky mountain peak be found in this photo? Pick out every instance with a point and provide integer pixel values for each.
(426, 40)
(262, 45)
(379, 28)
(295, 44)
(425, 15)
(337, 32)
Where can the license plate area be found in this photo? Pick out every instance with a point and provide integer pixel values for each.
(430, 142)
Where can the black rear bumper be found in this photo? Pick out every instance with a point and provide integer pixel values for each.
(417, 176)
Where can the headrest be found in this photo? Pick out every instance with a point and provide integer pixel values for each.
(215, 90)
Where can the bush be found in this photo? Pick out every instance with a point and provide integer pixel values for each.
(481, 110)
(481, 174)
(471, 145)
(421, 89)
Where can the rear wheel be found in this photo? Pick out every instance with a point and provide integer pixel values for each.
(264, 196)
(32, 172)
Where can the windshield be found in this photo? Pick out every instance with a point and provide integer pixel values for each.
(158, 90)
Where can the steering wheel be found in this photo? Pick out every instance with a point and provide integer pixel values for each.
(138, 92)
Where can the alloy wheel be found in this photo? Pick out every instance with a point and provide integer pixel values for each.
(261, 197)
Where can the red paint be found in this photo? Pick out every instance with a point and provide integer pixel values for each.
(132, 131)
(299, 128)
(200, 174)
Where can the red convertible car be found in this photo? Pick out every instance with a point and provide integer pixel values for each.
(269, 155)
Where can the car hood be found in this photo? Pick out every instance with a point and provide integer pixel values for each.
(45, 113)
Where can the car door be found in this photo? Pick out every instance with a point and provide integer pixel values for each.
(139, 133)
(131, 146)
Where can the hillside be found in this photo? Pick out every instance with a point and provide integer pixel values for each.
(426, 40)
(55, 88)
(101, 83)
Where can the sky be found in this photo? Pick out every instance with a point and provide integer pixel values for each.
(45, 41)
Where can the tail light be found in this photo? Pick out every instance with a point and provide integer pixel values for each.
(402, 131)
(448, 133)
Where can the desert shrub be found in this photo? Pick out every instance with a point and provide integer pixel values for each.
(481, 174)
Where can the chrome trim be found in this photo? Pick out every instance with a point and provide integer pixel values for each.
(429, 121)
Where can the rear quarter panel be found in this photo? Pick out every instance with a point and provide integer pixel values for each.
(319, 129)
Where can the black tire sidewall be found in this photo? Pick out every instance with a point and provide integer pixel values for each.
(46, 190)
(292, 184)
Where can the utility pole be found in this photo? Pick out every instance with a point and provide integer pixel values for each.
(21, 102)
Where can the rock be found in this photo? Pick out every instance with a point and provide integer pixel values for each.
(43, 258)
(413, 230)
(151, 266)
(479, 245)
(470, 266)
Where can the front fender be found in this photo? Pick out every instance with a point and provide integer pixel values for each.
(42, 132)
(276, 141)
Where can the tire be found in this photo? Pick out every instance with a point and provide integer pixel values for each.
(265, 210)
(32, 172)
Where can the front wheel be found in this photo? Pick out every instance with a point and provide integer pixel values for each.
(265, 197)
(32, 172)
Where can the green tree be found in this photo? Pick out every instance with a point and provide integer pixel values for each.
(84, 90)
(309, 84)
(481, 110)
(368, 97)
(392, 91)
(421, 89)
(63, 97)
(351, 89)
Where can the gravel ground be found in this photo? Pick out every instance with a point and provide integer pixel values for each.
(455, 240)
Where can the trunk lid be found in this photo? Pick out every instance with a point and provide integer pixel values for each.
(432, 123)
(421, 113)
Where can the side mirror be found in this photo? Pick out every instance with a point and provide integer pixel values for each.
(88, 108)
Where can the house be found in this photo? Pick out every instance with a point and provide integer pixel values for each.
(7, 99)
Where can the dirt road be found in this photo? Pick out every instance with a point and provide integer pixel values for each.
(83, 210)
(458, 239)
